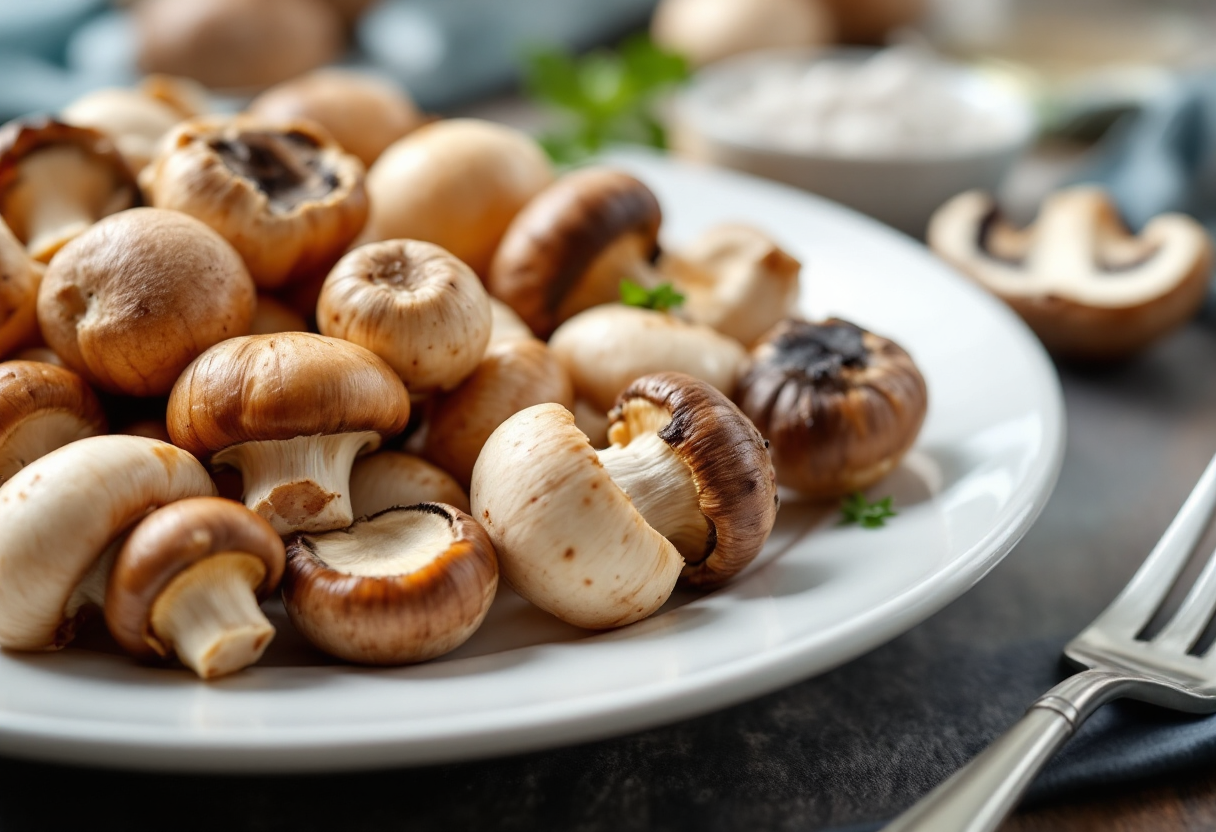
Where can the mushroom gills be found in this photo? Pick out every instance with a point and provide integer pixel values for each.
(398, 542)
(209, 615)
(299, 484)
(39, 435)
(287, 167)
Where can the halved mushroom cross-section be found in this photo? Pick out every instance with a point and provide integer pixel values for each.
(1085, 284)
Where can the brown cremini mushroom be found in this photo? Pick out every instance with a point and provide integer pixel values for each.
(133, 300)
(20, 275)
(42, 407)
(455, 183)
(55, 556)
(405, 585)
(841, 406)
(286, 196)
(414, 305)
(187, 582)
(364, 113)
(56, 180)
(291, 411)
(569, 248)
(1087, 286)
(391, 478)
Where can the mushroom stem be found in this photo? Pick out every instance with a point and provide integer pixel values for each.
(209, 616)
(661, 487)
(39, 435)
(300, 484)
(91, 590)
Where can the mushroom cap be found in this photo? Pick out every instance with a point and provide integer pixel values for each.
(705, 31)
(20, 275)
(53, 402)
(546, 264)
(94, 177)
(235, 44)
(1087, 286)
(49, 543)
(167, 542)
(286, 195)
(133, 300)
(607, 347)
(134, 121)
(281, 386)
(505, 325)
(841, 406)
(272, 315)
(364, 113)
(568, 538)
(391, 478)
(404, 585)
(512, 375)
(728, 458)
(413, 304)
(456, 183)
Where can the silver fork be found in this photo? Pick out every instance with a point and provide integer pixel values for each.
(1160, 671)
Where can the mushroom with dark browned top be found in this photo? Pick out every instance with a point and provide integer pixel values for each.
(42, 407)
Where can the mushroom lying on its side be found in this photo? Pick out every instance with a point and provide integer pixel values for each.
(187, 582)
(54, 556)
(42, 407)
(405, 585)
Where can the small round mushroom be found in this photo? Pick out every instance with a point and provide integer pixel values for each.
(1088, 287)
(56, 180)
(405, 585)
(736, 279)
(54, 554)
(364, 113)
(187, 582)
(705, 31)
(607, 347)
(391, 478)
(456, 183)
(513, 375)
(290, 411)
(42, 407)
(569, 248)
(133, 300)
(19, 278)
(505, 325)
(286, 196)
(272, 315)
(236, 44)
(840, 405)
(414, 305)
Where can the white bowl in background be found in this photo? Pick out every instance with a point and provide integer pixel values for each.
(900, 184)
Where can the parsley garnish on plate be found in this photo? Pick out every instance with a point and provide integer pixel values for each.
(661, 298)
(857, 509)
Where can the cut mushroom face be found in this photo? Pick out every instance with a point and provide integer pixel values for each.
(56, 180)
(735, 279)
(42, 407)
(20, 275)
(571, 246)
(512, 375)
(404, 585)
(187, 582)
(1080, 279)
(456, 183)
(607, 347)
(52, 554)
(390, 478)
(414, 305)
(291, 411)
(840, 405)
(286, 196)
(133, 300)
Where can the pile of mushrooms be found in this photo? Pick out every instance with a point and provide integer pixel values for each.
(364, 364)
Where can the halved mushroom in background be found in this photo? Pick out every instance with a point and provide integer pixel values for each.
(42, 407)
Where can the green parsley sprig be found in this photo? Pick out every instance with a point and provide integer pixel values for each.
(661, 298)
(857, 509)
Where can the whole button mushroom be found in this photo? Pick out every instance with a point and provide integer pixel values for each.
(364, 113)
(840, 405)
(390, 478)
(187, 582)
(414, 305)
(56, 180)
(405, 585)
(290, 411)
(42, 407)
(55, 556)
(133, 300)
(19, 278)
(286, 196)
(599, 540)
(607, 347)
(1088, 287)
(456, 183)
(569, 248)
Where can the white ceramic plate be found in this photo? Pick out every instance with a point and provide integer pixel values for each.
(819, 594)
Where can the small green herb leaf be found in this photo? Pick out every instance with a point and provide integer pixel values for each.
(857, 509)
(660, 298)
